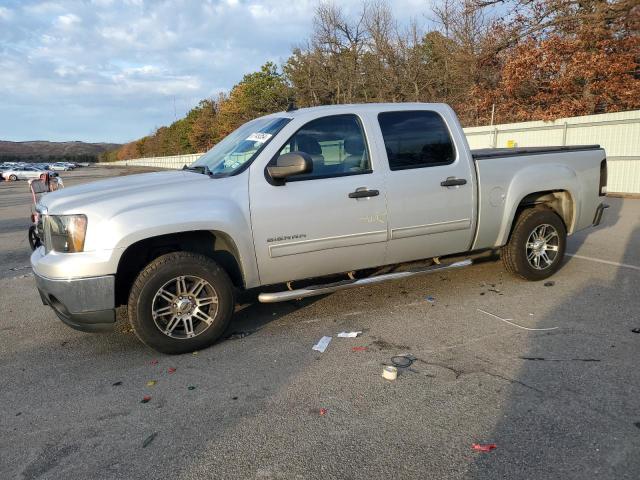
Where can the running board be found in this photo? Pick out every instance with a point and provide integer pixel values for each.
(314, 290)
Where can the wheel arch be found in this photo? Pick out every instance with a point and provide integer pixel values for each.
(214, 244)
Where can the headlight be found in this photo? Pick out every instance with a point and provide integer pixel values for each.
(65, 233)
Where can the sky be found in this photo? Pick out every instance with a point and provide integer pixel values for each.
(114, 71)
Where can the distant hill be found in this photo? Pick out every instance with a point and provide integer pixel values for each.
(38, 150)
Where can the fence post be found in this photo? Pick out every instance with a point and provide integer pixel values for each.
(564, 134)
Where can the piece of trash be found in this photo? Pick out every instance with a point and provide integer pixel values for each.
(238, 335)
(191, 387)
(145, 399)
(149, 439)
(359, 349)
(151, 383)
(549, 284)
(349, 334)
(194, 353)
(323, 411)
(484, 447)
(154, 362)
(116, 384)
(431, 300)
(234, 398)
(494, 290)
(637, 424)
(322, 344)
(505, 320)
(390, 373)
(635, 330)
(402, 361)
(171, 370)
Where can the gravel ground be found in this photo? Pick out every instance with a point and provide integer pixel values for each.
(558, 403)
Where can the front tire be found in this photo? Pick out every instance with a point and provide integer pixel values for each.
(537, 244)
(181, 302)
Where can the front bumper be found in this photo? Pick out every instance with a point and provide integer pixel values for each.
(86, 304)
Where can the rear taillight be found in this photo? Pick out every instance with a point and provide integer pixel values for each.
(603, 177)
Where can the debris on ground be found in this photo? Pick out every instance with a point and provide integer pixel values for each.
(635, 330)
(145, 399)
(116, 384)
(430, 299)
(389, 372)
(349, 334)
(323, 411)
(484, 447)
(359, 349)
(149, 439)
(549, 284)
(151, 383)
(508, 320)
(171, 370)
(194, 353)
(403, 361)
(191, 387)
(154, 362)
(239, 335)
(322, 344)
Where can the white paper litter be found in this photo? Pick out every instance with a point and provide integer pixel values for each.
(348, 334)
(322, 345)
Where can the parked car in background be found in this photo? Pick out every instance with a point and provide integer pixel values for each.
(318, 199)
(26, 173)
(59, 167)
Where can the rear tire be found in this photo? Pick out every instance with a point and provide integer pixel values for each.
(181, 302)
(13, 178)
(537, 244)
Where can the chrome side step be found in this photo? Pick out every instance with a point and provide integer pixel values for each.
(334, 287)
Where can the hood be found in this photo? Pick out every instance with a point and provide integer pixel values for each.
(117, 193)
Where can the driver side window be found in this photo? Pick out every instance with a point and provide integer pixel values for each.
(336, 145)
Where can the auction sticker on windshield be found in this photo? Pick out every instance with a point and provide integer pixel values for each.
(259, 137)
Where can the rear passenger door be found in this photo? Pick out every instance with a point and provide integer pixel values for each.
(429, 187)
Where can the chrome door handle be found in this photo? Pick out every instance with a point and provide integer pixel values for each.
(453, 182)
(364, 192)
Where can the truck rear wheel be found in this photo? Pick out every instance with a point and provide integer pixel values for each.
(181, 302)
(537, 244)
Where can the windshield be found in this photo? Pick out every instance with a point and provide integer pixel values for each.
(241, 146)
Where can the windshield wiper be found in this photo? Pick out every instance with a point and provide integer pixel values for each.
(203, 169)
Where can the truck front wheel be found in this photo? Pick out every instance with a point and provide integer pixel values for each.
(181, 302)
(537, 244)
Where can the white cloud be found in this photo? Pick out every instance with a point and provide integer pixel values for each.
(68, 20)
(111, 69)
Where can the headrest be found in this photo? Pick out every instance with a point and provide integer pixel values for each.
(308, 145)
(354, 145)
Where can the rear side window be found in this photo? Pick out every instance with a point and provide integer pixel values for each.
(416, 139)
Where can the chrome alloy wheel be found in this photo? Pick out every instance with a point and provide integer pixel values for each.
(542, 246)
(184, 307)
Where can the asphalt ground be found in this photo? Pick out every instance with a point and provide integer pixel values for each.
(559, 403)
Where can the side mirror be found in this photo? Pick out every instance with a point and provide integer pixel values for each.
(289, 164)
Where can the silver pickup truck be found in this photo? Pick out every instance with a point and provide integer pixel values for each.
(312, 200)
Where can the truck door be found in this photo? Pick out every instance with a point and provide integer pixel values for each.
(328, 221)
(429, 187)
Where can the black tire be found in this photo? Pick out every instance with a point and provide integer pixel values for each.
(34, 240)
(515, 253)
(160, 273)
(13, 178)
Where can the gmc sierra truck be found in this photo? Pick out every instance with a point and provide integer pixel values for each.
(302, 203)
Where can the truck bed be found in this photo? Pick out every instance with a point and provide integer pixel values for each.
(484, 153)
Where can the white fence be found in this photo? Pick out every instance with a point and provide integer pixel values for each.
(618, 133)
